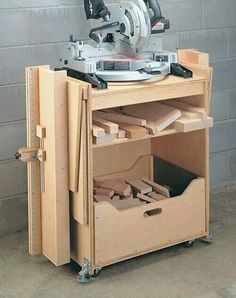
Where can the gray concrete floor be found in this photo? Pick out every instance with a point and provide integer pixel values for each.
(201, 271)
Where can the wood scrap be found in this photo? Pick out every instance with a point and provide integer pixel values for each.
(104, 192)
(139, 186)
(119, 117)
(122, 189)
(98, 131)
(115, 198)
(186, 125)
(158, 115)
(157, 187)
(156, 196)
(121, 134)
(107, 138)
(201, 112)
(99, 198)
(133, 132)
(109, 127)
(145, 198)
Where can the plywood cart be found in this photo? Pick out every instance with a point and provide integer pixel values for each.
(64, 221)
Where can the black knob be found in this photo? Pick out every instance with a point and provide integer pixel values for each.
(17, 155)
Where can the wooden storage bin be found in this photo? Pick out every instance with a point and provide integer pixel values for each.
(121, 234)
(64, 222)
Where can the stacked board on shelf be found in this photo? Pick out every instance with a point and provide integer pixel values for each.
(124, 194)
(138, 121)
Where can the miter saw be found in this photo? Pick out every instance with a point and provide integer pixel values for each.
(123, 52)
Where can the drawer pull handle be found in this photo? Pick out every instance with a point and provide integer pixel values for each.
(153, 212)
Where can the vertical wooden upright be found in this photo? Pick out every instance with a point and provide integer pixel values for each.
(33, 168)
(55, 185)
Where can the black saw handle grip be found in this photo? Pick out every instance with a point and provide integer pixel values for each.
(155, 7)
(157, 15)
(96, 9)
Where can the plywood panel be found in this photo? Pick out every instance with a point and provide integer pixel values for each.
(74, 129)
(33, 168)
(55, 195)
(80, 195)
(115, 159)
(187, 150)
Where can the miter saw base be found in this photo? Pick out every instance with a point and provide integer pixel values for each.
(111, 67)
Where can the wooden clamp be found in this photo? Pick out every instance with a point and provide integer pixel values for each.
(28, 155)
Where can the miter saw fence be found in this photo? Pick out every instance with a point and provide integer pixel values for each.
(123, 52)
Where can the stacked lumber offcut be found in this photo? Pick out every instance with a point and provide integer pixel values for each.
(128, 193)
(137, 121)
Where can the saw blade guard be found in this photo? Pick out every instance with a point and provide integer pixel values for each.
(135, 25)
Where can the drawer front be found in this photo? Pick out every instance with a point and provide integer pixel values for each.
(121, 234)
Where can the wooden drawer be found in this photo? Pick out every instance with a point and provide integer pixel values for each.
(123, 234)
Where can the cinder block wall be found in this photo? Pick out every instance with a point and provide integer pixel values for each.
(33, 32)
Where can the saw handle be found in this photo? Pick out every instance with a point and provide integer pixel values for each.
(155, 7)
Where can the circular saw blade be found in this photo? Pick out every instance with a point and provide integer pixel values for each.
(135, 27)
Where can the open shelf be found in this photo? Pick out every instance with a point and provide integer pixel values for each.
(167, 131)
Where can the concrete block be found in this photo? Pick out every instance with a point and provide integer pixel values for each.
(232, 165)
(232, 104)
(219, 168)
(212, 42)
(12, 136)
(169, 41)
(27, 3)
(223, 136)
(13, 215)
(14, 60)
(220, 105)
(219, 14)
(72, 2)
(232, 42)
(224, 74)
(13, 29)
(56, 25)
(12, 103)
(183, 15)
(13, 178)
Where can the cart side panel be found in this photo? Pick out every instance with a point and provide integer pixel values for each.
(55, 188)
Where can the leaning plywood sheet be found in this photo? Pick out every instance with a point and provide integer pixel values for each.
(158, 116)
(74, 130)
(34, 191)
(55, 195)
(79, 202)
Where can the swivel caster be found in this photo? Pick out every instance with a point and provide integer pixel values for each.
(84, 275)
(208, 239)
(84, 278)
(189, 243)
(97, 272)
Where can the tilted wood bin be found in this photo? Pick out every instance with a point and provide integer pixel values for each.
(64, 222)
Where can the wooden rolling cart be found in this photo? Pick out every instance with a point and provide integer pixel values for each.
(64, 221)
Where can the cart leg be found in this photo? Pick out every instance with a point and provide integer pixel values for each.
(84, 275)
(208, 239)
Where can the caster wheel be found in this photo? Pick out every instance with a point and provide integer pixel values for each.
(208, 239)
(97, 272)
(189, 243)
(84, 278)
